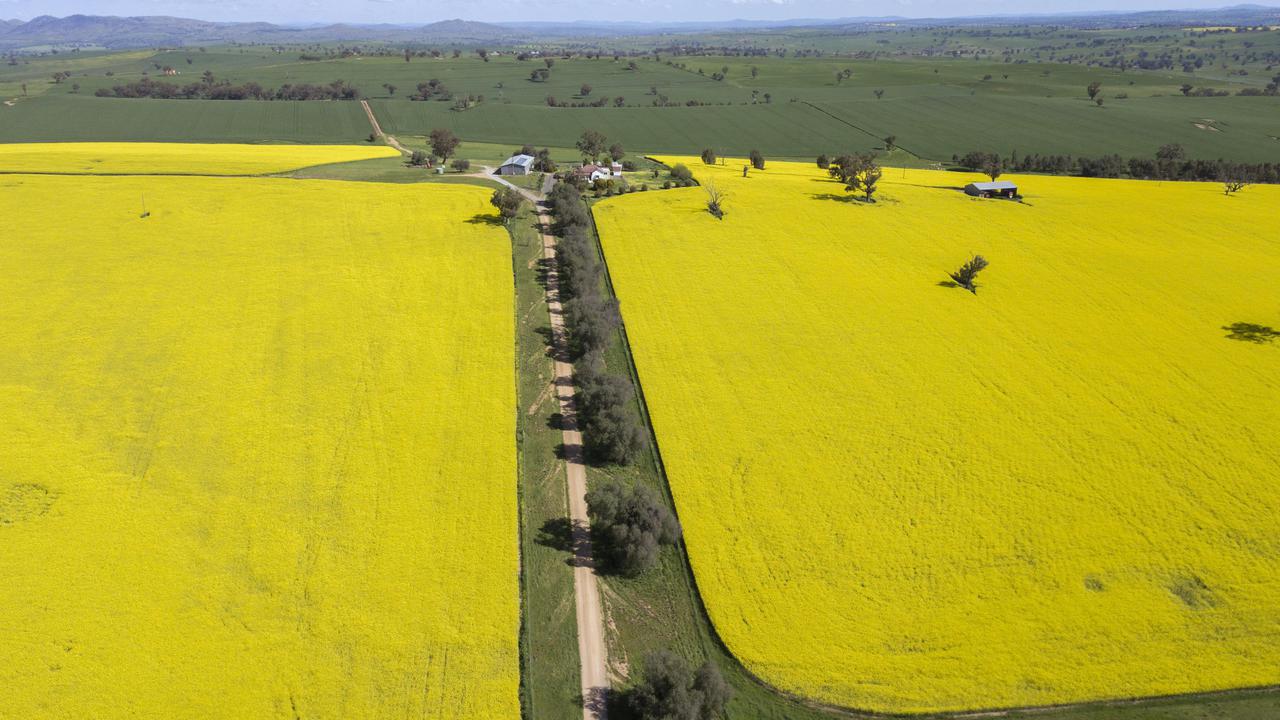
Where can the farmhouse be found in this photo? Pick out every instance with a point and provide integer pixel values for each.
(516, 165)
(592, 172)
(996, 188)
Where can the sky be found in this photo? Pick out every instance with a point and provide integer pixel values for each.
(425, 11)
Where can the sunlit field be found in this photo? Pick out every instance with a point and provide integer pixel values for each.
(176, 159)
(904, 497)
(258, 457)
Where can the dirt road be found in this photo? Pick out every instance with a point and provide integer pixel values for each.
(377, 129)
(591, 645)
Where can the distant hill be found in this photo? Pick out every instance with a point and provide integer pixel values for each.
(122, 32)
(150, 31)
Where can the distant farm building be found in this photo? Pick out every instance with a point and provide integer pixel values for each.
(998, 188)
(616, 168)
(516, 165)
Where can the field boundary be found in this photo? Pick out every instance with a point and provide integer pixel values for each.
(839, 119)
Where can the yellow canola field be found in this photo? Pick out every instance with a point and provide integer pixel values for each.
(176, 159)
(256, 451)
(903, 497)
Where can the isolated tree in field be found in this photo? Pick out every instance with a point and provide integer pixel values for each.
(715, 200)
(592, 144)
(460, 165)
(616, 152)
(507, 201)
(548, 62)
(968, 273)
(391, 89)
(629, 526)
(418, 158)
(879, 93)
(444, 142)
(755, 72)
(585, 90)
(1234, 179)
(484, 54)
(993, 166)
(824, 162)
(757, 160)
(708, 156)
(890, 143)
(1172, 152)
(768, 98)
(408, 54)
(671, 691)
(1093, 89)
(207, 77)
(539, 75)
(1186, 89)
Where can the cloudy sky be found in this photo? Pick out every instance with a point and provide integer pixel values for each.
(423, 11)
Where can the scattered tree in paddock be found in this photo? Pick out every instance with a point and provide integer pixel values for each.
(859, 173)
(592, 144)
(585, 90)
(879, 93)
(460, 165)
(890, 143)
(443, 142)
(1094, 88)
(616, 152)
(757, 160)
(708, 156)
(418, 158)
(968, 273)
(715, 200)
(391, 89)
(824, 162)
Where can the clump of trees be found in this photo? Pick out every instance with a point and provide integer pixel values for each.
(507, 201)
(432, 89)
(629, 527)
(757, 160)
(859, 173)
(968, 273)
(708, 156)
(671, 690)
(606, 403)
(209, 89)
(1169, 163)
(681, 175)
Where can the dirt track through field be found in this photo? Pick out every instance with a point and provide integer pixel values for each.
(590, 618)
(377, 129)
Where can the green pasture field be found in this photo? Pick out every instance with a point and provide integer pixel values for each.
(793, 107)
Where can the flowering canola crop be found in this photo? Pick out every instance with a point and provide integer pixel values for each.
(904, 497)
(176, 159)
(258, 457)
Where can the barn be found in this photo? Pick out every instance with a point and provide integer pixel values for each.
(516, 165)
(995, 188)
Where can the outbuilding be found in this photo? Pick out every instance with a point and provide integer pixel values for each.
(516, 165)
(995, 188)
